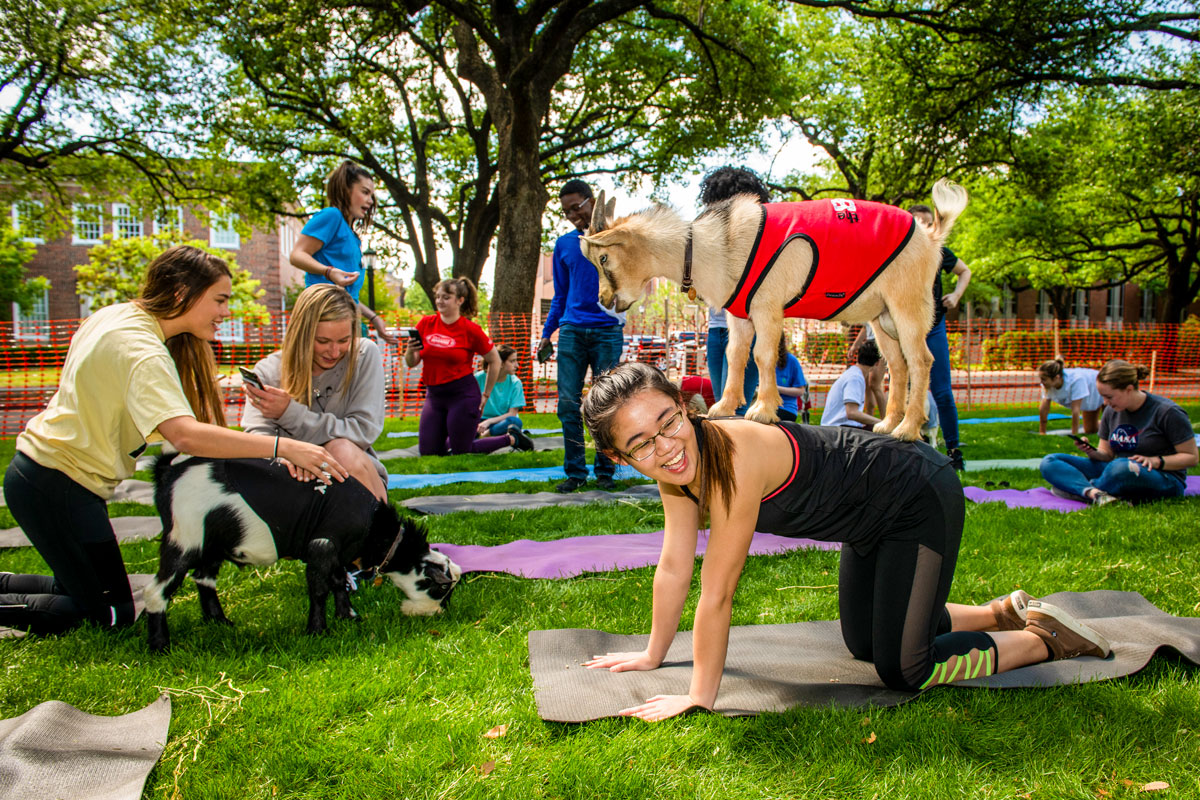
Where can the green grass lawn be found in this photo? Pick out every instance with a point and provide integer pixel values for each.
(392, 706)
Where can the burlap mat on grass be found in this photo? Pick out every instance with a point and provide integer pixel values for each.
(127, 529)
(777, 667)
(137, 582)
(449, 503)
(54, 751)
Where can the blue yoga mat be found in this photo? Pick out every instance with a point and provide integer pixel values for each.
(1033, 418)
(531, 474)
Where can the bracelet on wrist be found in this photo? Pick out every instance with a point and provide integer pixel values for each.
(327, 271)
(1162, 462)
(275, 454)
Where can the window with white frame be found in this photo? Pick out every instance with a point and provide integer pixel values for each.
(1116, 304)
(87, 223)
(168, 219)
(35, 325)
(127, 221)
(231, 330)
(222, 233)
(1043, 304)
(1080, 306)
(28, 220)
(1007, 301)
(1149, 301)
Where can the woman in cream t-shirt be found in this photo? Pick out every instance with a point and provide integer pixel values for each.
(135, 373)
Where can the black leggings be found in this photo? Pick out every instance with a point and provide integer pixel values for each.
(69, 527)
(893, 599)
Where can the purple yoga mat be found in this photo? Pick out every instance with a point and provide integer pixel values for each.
(565, 558)
(1044, 498)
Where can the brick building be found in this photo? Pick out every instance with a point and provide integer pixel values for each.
(264, 254)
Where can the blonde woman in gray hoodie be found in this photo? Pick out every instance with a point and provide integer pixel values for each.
(324, 387)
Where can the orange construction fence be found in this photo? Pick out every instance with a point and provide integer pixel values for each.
(992, 361)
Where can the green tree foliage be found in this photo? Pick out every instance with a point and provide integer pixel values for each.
(116, 270)
(464, 119)
(15, 286)
(1104, 191)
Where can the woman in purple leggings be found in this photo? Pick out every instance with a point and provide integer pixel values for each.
(449, 342)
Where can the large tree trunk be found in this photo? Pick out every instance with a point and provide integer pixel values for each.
(518, 241)
(1181, 290)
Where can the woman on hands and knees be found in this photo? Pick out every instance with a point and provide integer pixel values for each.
(136, 372)
(1145, 450)
(325, 386)
(897, 507)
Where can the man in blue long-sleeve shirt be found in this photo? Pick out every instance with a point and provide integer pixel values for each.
(589, 335)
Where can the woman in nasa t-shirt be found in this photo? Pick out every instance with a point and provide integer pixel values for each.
(1146, 445)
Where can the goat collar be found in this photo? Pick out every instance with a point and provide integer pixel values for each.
(391, 552)
(686, 286)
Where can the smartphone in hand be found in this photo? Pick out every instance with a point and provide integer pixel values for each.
(250, 377)
(414, 336)
(1082, 441)
(545, 351)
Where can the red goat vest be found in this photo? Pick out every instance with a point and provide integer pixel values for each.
(852, 242)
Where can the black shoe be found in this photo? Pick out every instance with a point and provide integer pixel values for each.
(956, 459)
(605, 482)
(570, 485)
(521, 439)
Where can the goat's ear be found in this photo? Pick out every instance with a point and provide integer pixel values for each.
(598, 213)
(610, 210)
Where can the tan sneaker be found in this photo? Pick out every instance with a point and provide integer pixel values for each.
(1065, 636)
(1010, 611)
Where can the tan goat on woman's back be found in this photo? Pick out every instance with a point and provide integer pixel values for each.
(873, 264)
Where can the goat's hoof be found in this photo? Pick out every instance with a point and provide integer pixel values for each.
(887, 425)
(160, 647)
(906, 432)
(761, 414)
(721, 409)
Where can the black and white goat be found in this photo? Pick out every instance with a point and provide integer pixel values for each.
(252, 512)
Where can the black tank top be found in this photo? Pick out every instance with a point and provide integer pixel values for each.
(846, 484)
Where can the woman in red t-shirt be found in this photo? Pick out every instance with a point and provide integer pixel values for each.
(449, 343)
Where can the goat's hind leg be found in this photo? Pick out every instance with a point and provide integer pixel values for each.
(205, 577)
(914, 353)
(173, 566)
(342, 609)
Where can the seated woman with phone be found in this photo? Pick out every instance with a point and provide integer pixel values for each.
(1145, 448)
(325, 386)
(1073, 388)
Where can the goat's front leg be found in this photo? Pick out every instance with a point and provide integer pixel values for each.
(320, 562)
(342, 609)
(769, 328)
(737, 354)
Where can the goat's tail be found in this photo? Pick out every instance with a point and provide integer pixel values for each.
(950, 200)
(162, 464)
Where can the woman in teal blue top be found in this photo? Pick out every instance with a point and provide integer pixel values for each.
(329, 249)
(502, 411)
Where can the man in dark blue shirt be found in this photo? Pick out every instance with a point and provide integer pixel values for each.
(589, 335)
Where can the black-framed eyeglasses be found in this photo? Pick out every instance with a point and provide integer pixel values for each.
(569, 210)
(645, 448)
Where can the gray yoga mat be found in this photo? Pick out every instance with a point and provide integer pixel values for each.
(539, 444)
(54, 751)
(973, 465)
(137, 582)
(449, 503)
(127, 529)
(777, 667)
